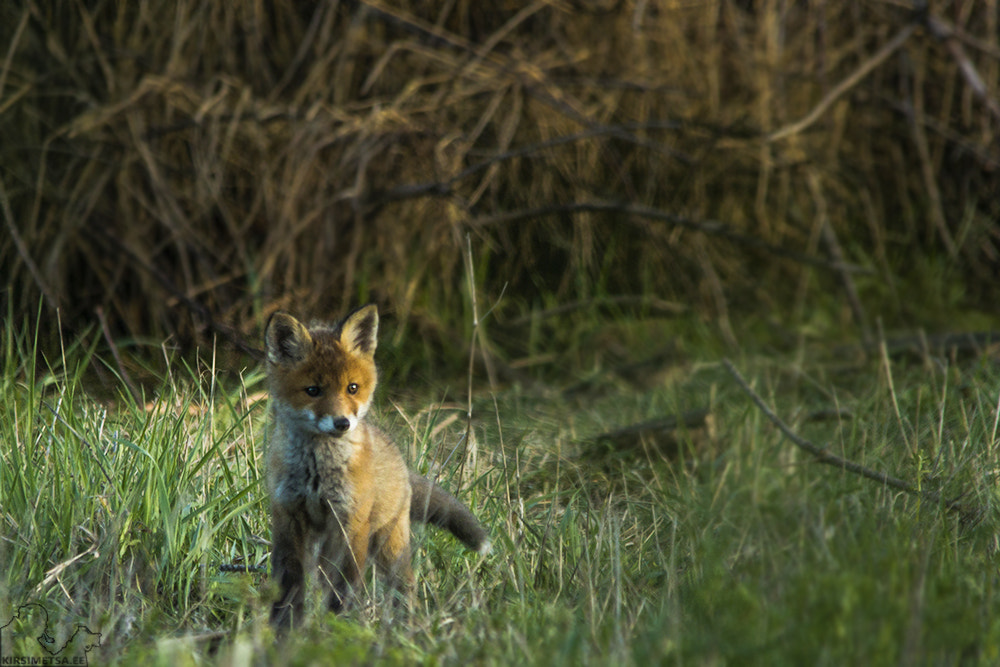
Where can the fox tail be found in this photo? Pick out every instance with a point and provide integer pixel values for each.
(430, 503)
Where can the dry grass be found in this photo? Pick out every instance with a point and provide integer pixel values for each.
(190, 166)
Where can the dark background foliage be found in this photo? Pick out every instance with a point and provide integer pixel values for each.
(183, 169)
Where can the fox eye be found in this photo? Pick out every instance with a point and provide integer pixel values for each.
(352, 388)
(314, 391)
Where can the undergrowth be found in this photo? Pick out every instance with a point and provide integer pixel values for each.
(730, 547)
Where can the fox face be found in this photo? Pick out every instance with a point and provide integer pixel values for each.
(322, 378)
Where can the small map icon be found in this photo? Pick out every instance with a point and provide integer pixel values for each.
(52, 645)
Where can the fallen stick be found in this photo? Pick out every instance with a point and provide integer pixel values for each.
(968, 515)
(923, 345)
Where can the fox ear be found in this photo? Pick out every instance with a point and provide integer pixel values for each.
(359, 333)
(286, 339)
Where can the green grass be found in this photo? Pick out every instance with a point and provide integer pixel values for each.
(736, 550)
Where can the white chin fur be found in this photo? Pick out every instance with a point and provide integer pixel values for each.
(326, 425)
(305, 420)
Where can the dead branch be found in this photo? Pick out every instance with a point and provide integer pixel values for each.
(922, 345)
(658, 306)
(710, 227)
(945, 32)
(665, 436)
(626, 131)
(226, 331)
(123, 372)
(518, 69)
(22, 250)
(969, 514)
(833, 246)
(689, 420)
(852, 80)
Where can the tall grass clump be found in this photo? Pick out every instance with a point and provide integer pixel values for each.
(116, 515)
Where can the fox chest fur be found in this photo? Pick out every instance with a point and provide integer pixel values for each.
(309, 476)
(325, 482)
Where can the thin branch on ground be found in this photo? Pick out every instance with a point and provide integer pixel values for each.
(969, 514)
(924, 345)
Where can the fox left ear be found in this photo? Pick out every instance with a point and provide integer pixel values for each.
(359, 332)
(286, 339)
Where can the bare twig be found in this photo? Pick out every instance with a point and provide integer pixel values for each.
(968, 342)
(982, 153)
(946, 32)
(12, 49)
(126, 378)
(928, 172)
(527, 75)
(710, 227)
(221, 328)
(969, 514)
(659, 306)
(833, 246)
(446, 187)
(855, 77)
(22, 250)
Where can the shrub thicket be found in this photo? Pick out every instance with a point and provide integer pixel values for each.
(190, 166)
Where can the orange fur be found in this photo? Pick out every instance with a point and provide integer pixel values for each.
(339, 488)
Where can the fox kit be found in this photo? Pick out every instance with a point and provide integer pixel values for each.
(339, 488)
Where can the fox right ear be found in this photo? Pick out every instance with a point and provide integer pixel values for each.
(359, 332)
(286, 339)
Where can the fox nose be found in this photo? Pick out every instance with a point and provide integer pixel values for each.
(341, 424)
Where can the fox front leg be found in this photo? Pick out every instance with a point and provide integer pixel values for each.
(288, 569)
(341, 567)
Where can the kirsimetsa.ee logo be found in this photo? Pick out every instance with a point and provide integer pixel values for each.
(30, 637)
